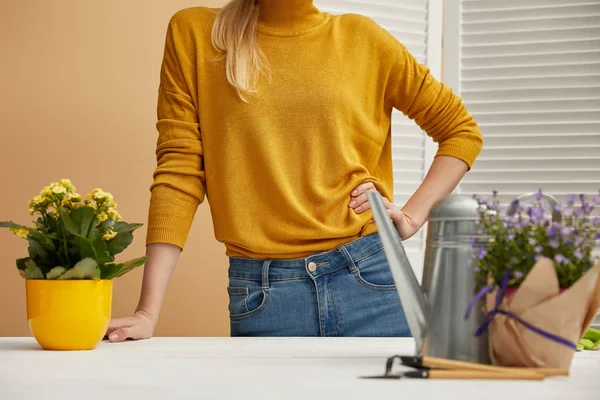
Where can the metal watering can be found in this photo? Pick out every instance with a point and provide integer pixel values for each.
(435, 312)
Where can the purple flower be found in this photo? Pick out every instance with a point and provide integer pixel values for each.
(578, 254)
(567, 212)
(571, 199)
(578, 240)
(559, 258)
(553, 230)
(480, 254)
(518, 275)
(565, 231)
(495, 193)
(596, 220)
(596, 201)
(580, 212)
(473, 242)
(535, 213)
(582, 198)
(476, 269)
(538, 195)
(538, 249)
(554, 244)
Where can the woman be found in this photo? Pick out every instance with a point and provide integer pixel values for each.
(280, 115)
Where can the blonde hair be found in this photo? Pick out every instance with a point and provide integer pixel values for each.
(234, 36)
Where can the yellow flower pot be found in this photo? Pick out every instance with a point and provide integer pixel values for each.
(69, 314)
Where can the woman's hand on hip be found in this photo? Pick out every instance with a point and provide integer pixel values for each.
(359, 202)
(139, 326)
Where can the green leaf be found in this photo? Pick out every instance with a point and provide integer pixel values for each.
(122, 226)
(10, 224)
(55, 272)
(119, 243)
(86, 247)
(22, 263)
(84, 269)
(32, 271)
(100, 249)
(79, 220)
(112, 271)
(54, 225)
(44, 240)
(37, 251)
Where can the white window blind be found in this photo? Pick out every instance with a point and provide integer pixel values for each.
(529, 72)
(418, 25)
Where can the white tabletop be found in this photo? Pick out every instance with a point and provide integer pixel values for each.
(254, 368)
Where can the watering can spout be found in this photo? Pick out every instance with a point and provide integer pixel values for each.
(412, 297)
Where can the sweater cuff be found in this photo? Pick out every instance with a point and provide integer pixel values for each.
(465, 148)
(170, 216)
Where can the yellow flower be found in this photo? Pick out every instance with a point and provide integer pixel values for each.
(31, 211)
(71, 201)
(113, 214)
(101, 201)
(59, 190)
(66, 183)
(102, 217)
(109, 234)
(20, 232)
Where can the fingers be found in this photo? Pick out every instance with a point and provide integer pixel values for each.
(127, 332)
(388, 204)
(363, 188)
(360, 200)
(361, 203)
(117, 323)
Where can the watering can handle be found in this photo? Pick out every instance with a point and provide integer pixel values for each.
(556, 215)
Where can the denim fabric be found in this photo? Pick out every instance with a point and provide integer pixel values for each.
(351, 293)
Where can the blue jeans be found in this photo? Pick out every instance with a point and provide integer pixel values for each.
(348, 291)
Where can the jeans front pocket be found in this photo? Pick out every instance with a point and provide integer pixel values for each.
(374, 272)
(246, 299)
(237, 300)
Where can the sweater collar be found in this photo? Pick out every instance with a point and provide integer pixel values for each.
(289, 17)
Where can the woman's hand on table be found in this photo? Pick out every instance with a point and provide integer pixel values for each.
(405, 225)
(139, 326)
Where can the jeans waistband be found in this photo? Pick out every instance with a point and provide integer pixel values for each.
(341, 257)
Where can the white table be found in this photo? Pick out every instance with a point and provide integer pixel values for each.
(249, 368)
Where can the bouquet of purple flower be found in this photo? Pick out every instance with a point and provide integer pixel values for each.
(547, 260)
(515, 240)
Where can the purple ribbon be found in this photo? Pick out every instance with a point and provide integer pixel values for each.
(490, 316)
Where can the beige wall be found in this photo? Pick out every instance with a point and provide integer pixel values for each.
(78, 83)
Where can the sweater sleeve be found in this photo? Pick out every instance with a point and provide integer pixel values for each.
(433, 106)
(179, 178)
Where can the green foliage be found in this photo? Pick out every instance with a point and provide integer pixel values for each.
(517, 241)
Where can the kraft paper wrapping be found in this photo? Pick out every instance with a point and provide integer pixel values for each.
(538, 302)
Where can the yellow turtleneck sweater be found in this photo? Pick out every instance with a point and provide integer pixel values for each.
(278, 171)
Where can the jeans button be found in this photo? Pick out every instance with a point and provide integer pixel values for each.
(312, 267)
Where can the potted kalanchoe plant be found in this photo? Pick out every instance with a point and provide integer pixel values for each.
(70, 266)
(535, 272)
